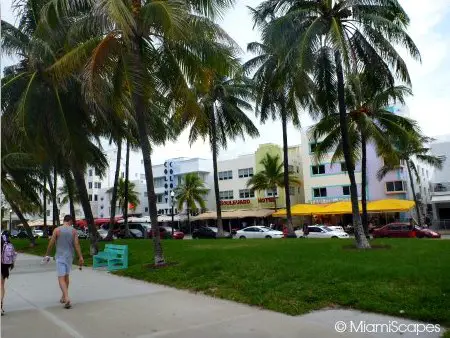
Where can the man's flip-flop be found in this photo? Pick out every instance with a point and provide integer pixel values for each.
(67, 305)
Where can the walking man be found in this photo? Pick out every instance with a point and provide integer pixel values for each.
(66, 239)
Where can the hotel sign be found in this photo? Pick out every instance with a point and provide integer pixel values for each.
(247, 201)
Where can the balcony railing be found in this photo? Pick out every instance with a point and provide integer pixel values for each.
(442, 187)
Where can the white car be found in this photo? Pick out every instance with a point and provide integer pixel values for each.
(322, 232)
(336, 228)
(258, 232)
(38, 233)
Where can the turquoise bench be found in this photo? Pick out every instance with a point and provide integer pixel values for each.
(115, 257)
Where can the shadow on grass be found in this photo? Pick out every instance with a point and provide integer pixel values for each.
(372, 246)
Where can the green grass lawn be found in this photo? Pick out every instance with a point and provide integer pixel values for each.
(410, 279)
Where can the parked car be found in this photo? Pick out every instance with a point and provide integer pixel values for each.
(82, 234)
(395, 230)
(136, 233)
(258, 232)
(102, 233)
(23, 234)
(336, 228)
(422, 232)
(14, 233)
(176, 233)
(321, 231)
(204, 232)
(38, 233)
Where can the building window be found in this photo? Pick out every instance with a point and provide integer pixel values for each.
(292, 191)
(423, 172)
(146, 209)
(90, 185)
(176, 211)
(59, 200)
(290, 168)
(343, 166)
(313, 146)
(396, 186)
(122, 174)
(318, 169)
(247, 172)
(225, 175)
(158, 182)
(272, 192)
(97, 185)
(143, 178)
(346, 190)
(320, 192)
(145, 194)
(90, 198)
(95, 197)
(142, 161)
(101, 207)
(226, 195)
(246, 193)
(48, 212)
(159, 198)
(90, 172)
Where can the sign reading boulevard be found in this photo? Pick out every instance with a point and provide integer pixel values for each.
(247, 201)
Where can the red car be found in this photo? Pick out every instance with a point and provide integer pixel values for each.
(166, 232)
(395, 230)
(422, 232)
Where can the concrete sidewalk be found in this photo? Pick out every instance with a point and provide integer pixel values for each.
(107, 306)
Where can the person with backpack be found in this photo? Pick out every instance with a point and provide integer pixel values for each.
(8, 258)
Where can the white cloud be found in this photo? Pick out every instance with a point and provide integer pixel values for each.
(431, 79)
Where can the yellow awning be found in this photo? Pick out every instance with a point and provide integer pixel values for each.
(339, 208)
(302, 210)
(390, 205)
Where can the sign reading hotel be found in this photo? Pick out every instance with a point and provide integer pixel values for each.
(247, 201)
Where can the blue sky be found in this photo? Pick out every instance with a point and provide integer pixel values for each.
(430, 105)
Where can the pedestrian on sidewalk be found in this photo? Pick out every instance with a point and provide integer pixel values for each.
(8, 258)
(66, 239)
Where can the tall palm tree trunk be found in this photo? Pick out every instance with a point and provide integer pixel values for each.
(53, 192)
(19, 214)
(139, 107)
(44, 206)
(361, 240)
(80, 183)
(413, 190)
(364, 218)
(289, 224)
(275, 202)
(114, 192)
(71, 193)
(125, 206)
(213, 141)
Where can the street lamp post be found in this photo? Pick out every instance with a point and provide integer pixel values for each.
(10, 220)
(172, 195)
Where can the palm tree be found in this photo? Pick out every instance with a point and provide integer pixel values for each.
(191, 192)
(133, 197)
(357, 33)
(409, 150)
(280, 88)
(114, 191)
(147, 52)
(68, 194)
(369, 121)
(217, 114)
(271, 177)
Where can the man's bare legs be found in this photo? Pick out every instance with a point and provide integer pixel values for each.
(3, 291)
(64, 285)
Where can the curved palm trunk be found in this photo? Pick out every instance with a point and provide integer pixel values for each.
(213, 140)
(289, 224)
(55, 198)
(19, 214)
(125, 203)
(413, 190)
(114, 192)
(52, 186)
(71, 193)
(275, 203)
(80, 183)
(139, 107)
(361, 240)
(44, 206)
(364, 218)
